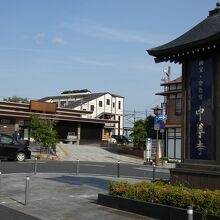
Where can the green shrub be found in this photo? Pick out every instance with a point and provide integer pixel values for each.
(204, 201)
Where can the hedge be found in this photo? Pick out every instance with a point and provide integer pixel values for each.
(204, 201)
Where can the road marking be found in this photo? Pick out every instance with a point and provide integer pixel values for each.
(31, 162)
(92, 165)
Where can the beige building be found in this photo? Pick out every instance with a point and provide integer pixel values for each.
(103, 105)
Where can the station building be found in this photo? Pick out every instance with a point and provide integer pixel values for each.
(17, 117)
(103, 105)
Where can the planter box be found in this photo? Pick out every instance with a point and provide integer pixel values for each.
(153, 210)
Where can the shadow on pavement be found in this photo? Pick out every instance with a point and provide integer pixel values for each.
(11, 214)
(74, 180)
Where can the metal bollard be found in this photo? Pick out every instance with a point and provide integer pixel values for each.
(77, 167)
(35, 166)
(27, 190)
(118, 169)
(154, 169)
(189, 213)
(0, 181)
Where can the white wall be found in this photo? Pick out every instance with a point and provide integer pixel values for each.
(112, 107)
(107, 108)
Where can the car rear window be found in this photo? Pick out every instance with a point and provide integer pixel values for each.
(6, 139)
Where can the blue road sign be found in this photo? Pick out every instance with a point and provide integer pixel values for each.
(162, 117)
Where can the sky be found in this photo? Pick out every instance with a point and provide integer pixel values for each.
(48, 46)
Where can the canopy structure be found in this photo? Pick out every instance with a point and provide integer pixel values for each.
(203, 38)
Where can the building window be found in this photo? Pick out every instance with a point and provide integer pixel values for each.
(100, 103)
(172, 87)
(178, 106)
(92, 108)
(62, 104)
(113, 104)
(107, 101)
(179, 86)
(174, 143)
(71, 103)
(172, 96)
(119, 104)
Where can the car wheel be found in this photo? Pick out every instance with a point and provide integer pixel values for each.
(20, 157)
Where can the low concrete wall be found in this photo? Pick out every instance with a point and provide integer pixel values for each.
(153, 210)
(89, 142)
(127, 150)
(134, 152)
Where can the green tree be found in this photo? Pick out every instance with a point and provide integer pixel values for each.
(149, 125)
(43, 132)
(16, 99)
(143, 129)
(139, 133)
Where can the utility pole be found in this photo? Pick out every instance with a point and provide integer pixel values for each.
(166, 79)
(146, 112)
(134, 116)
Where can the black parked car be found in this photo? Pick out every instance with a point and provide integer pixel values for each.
(13, 149)
(122, 139)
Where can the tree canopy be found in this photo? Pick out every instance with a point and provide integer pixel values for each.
(143, 129)
(42, 131)
(16, 99)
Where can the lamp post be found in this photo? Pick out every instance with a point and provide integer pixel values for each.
(157, 112)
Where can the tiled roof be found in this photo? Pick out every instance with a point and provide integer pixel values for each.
(84, 98)
(49, 97)
(175, 81)
(169, 92)
(205, 33)
(12, 109)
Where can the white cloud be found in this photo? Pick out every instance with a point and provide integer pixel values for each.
(37, 38)
(58, 40)
(92, 62)
(21, 49)
(99, 30)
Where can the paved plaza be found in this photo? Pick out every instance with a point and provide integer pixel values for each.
(93, 153)
(58, 197)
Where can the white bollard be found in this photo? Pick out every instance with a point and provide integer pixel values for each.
(118, 169)
(27, 190)
(189, 213)
(35, 166)
(154, 169)
(77, 167)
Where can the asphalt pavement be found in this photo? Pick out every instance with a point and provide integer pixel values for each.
(60, 194)
(57, 193)
(91, 153)
(57, 197)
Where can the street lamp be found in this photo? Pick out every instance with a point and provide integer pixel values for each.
(157, 112)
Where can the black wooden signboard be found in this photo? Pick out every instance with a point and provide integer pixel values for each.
(201, 109)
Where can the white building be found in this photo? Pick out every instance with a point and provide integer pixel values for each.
(102, 105)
